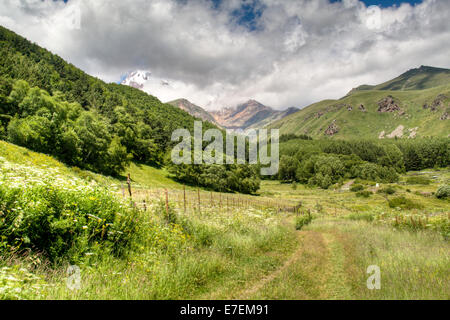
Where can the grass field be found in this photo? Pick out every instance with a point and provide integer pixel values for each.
(246, 251)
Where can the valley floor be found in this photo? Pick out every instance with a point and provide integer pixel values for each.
(326, 260)
(333, 255)
(248, 248)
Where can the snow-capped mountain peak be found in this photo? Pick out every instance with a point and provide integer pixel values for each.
(137, 79)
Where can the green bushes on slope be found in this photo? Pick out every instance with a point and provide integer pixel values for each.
(46, 212)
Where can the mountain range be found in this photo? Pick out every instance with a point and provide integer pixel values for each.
(414, 104)
(249, 115)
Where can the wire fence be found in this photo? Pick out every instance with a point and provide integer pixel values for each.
(197, 200)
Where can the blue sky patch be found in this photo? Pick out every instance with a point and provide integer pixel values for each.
(386, 3)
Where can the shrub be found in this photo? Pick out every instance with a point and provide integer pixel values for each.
(356, 188)
(388, 190)
(364, 194)
(418, 180)
(303, 220)
(404, 203)
(443, 192)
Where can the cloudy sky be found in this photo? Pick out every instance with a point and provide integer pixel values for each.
(222, 52)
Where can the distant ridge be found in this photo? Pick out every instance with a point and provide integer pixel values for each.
(420, 78)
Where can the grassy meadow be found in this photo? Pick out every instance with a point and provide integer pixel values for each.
(246, 249)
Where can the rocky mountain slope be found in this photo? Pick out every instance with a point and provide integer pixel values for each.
(415, 104)
(250, 114)
(193, 110)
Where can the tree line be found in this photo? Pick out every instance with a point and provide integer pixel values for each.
(326, 162)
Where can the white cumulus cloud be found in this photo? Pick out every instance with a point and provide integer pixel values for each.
(297, 53)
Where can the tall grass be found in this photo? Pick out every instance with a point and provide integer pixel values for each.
(414, 265)
(50, 221)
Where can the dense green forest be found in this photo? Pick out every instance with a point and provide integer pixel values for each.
(326, 162)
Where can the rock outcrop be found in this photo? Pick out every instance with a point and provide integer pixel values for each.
(413, 132)
(438, 102)
(318, 114)
(388, 104)
(332, 129)
(397, 133)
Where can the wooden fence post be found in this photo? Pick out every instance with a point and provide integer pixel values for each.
(167, 202)
(129, 184)
(198, 194)
(184, 198)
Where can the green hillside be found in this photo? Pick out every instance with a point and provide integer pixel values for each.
(50, 106)
(382, 111)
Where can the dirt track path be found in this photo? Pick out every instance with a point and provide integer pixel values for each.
(316, 270)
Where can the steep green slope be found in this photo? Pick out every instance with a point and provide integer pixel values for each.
(375, 113)
(414, 79)
(95, 120)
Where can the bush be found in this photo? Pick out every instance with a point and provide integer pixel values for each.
(356, 188)
(302, 220)
(418, 180)
(62, 218)
(404, 203)
(388, 190)
(364, 194)
(443, 192)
